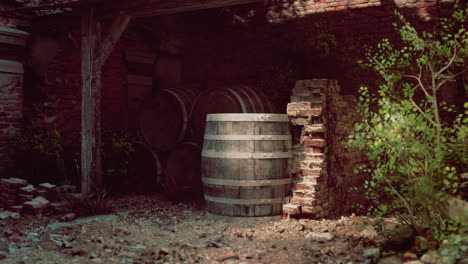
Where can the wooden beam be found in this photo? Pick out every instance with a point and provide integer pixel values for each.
(88, 140)
(97, 94)
(111, 38)
(146, 8)
(94, 54)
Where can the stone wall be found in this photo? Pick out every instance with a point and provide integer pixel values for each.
(322, 168)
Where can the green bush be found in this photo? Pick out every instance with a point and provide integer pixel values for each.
(415, 157)
(37, 155)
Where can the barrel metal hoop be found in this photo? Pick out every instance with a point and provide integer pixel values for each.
(246, 155)
(247, 117)
(245, 183)
(247, 137)
(240, 218)
(243, 201)
(184, 113)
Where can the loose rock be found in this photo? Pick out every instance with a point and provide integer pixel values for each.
(371, 253)
(390, 260)
(319, 236)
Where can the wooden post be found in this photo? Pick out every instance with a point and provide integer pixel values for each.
(97, 180)
(88, 129)
(94, 54)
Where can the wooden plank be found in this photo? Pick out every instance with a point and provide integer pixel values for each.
(142, 60)
(139, 57)
(87, 101)
(111, 38)
(145, 8)
(140, 80)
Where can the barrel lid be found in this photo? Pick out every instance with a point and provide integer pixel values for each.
(265, 117)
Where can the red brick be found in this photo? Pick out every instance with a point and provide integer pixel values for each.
(25, 198)
(311, 172)
(304, 201)
(318, 136)
(6, 202)
(8, 196)
(8, 190)
(303, 186)
(46, 186)
(311, 112)
(313, 209)
(15, 208)
(29, 190)
(13, 182)
(291, 209)
(317, 150)
(314, 143)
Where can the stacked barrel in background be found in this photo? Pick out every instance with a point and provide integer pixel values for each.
(171, 124)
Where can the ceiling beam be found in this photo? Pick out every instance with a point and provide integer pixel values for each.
(147, 8)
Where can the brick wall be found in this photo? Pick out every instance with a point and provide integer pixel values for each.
(54, 90)
(11, 106)
(341, 116)
(279, 10)
(282, 44)
(322, 168)
(12, 42)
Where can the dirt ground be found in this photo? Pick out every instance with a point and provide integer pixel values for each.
(148, 229)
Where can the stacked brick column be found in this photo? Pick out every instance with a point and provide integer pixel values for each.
(322, 166)
(309, 164)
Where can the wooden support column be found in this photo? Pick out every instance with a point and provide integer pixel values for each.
(94, 54)
(88, 128)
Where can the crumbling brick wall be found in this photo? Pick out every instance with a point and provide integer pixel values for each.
(322, 167)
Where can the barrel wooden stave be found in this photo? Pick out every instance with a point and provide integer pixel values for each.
(245, 169)
(182, 171)
(231, 210)
(145, 170)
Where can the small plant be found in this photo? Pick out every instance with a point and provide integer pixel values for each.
(96, 203)
(38, 154)
(117, 148)
(99, 202)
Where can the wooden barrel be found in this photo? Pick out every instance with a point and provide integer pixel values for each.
(182, 172)
(163, 118)
(245, 165)
(230, 99)
(144, 172)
